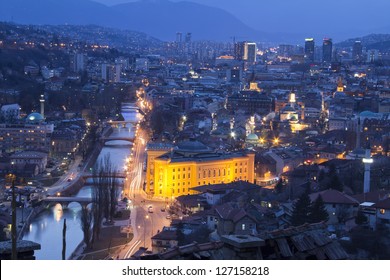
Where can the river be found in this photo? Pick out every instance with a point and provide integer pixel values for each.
(46, 228)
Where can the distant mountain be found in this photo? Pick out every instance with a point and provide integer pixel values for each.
(162, 19)
(158, 18)
(372, 41)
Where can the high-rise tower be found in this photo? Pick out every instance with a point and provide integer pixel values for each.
(357, 52)
(327, 47)
(309, 50)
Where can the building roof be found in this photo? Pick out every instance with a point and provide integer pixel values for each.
(166, 235)
(373, 196)
(28, 154)
(159, 146)
(236, 185)
(180, 156)
(383, 204)
(228, 212)
(192, 146)
(334, 197)
(191, 200)
(309, 240)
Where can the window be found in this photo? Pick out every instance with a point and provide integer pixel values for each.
(173, 177)
(382, 211)
(184, 176)
(178, 176)
(243, 226)
(189, 175)
(173, 170)
(184, 169)
(214, 173)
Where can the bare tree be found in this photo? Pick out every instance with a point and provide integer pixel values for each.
(104, 194)
(86, 223)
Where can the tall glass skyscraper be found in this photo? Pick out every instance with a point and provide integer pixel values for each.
(327, 46)
(309, 50)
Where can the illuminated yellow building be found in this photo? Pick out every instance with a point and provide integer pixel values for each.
(174, 171)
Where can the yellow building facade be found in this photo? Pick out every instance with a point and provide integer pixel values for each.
(173, 173)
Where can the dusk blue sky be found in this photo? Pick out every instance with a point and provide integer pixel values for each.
(333, 18)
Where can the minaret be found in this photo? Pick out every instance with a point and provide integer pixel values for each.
(367, 160)
(42, 100)
(358, 134)
(292, 100)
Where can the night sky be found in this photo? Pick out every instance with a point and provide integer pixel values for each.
(333, 18)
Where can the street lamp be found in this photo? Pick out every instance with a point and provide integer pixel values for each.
(146, 217)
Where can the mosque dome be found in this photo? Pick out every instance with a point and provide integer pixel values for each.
(35, 117)
(252, 137)
(288, 108)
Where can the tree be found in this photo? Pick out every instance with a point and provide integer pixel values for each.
(279, 186)
(181, 239)
(301, 210)
(321, 175)
(86, 222)
(317, 211)
(360, 218)
(335, 183)
(64, 240)
(104, 195)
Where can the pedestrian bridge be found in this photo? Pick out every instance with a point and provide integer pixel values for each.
(65, 201)
(123, 124)
(108, 139)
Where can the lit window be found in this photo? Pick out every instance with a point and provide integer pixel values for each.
(382, 211)
(243, 226)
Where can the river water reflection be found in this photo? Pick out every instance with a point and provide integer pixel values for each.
(46, 228)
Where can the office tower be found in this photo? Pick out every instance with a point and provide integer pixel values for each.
(188, 37)
(309, 50)
(372, 56)
(357, 51)
(245, 51)
(78, 62)
(239, 50)
(251, 52)
(327, 50)
(178, 37)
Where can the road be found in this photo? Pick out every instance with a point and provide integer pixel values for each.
(144, 223)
